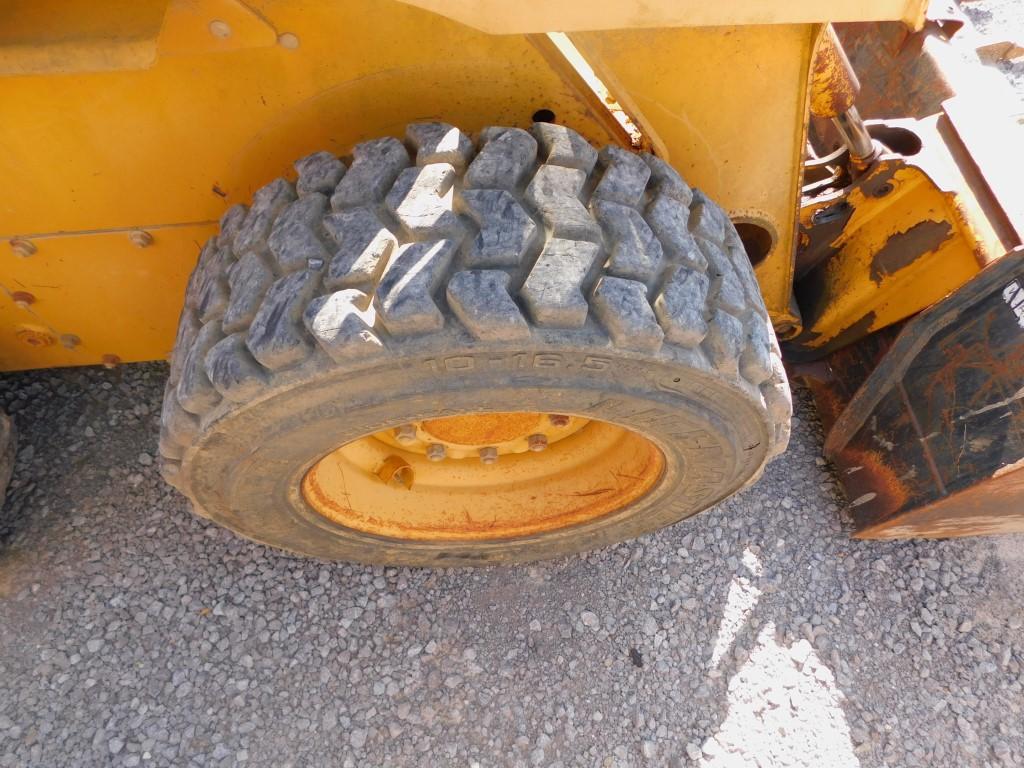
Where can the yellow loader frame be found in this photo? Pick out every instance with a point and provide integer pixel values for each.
(131, 126)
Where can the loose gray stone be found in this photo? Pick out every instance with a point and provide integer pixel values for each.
(219, 651)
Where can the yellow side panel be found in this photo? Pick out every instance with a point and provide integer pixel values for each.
(524, 16)
(168, 145)
(895, 256)
(51, 36)
(160, 145)
(101, 289)
(175, 144)
(727, 106)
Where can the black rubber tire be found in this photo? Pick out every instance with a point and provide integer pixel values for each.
(526, 272)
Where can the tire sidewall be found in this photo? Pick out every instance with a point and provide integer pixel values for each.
(245, 471)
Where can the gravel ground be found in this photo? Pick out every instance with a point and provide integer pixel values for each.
(758, 634)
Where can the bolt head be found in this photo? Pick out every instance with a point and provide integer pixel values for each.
(220, 29)
(558, 420)
(23, 299)
(34, 336)
(537, 443)
(69, 340)
(288, 40)
(436, 452)
(405, 434)
(488, 455)
(140, 238)
(110, 361)
(22, 248)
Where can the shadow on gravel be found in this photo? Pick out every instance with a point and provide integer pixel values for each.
(133, 633)
(80, 431)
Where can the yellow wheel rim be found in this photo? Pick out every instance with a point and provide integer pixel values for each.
(483, 477)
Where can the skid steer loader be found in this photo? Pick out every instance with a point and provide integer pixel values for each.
(448, 282)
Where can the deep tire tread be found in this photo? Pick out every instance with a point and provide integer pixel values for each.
(525, 232)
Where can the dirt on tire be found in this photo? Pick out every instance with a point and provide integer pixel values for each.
(523, 271)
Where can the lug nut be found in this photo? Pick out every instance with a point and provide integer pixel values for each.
(537, 442)
(488, 455)
(436, 452)
(558, 420)
(405, 434)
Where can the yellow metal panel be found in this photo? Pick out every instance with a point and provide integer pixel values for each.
(38, 36)
(121, 34)
(115, 297)
(174, 144)
(524, 16)
(198, 26)
(900, 237)
(171, 146)
(895, 257)
(161, 145)
(728, 105)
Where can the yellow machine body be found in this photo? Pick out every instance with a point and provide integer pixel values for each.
(132, 126)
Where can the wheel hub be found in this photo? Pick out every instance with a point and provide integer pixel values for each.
(462, 437)
(483, 429)
(482, 476)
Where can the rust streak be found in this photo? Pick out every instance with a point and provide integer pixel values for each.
(925, 448)
(876, 477)
(834, 85)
